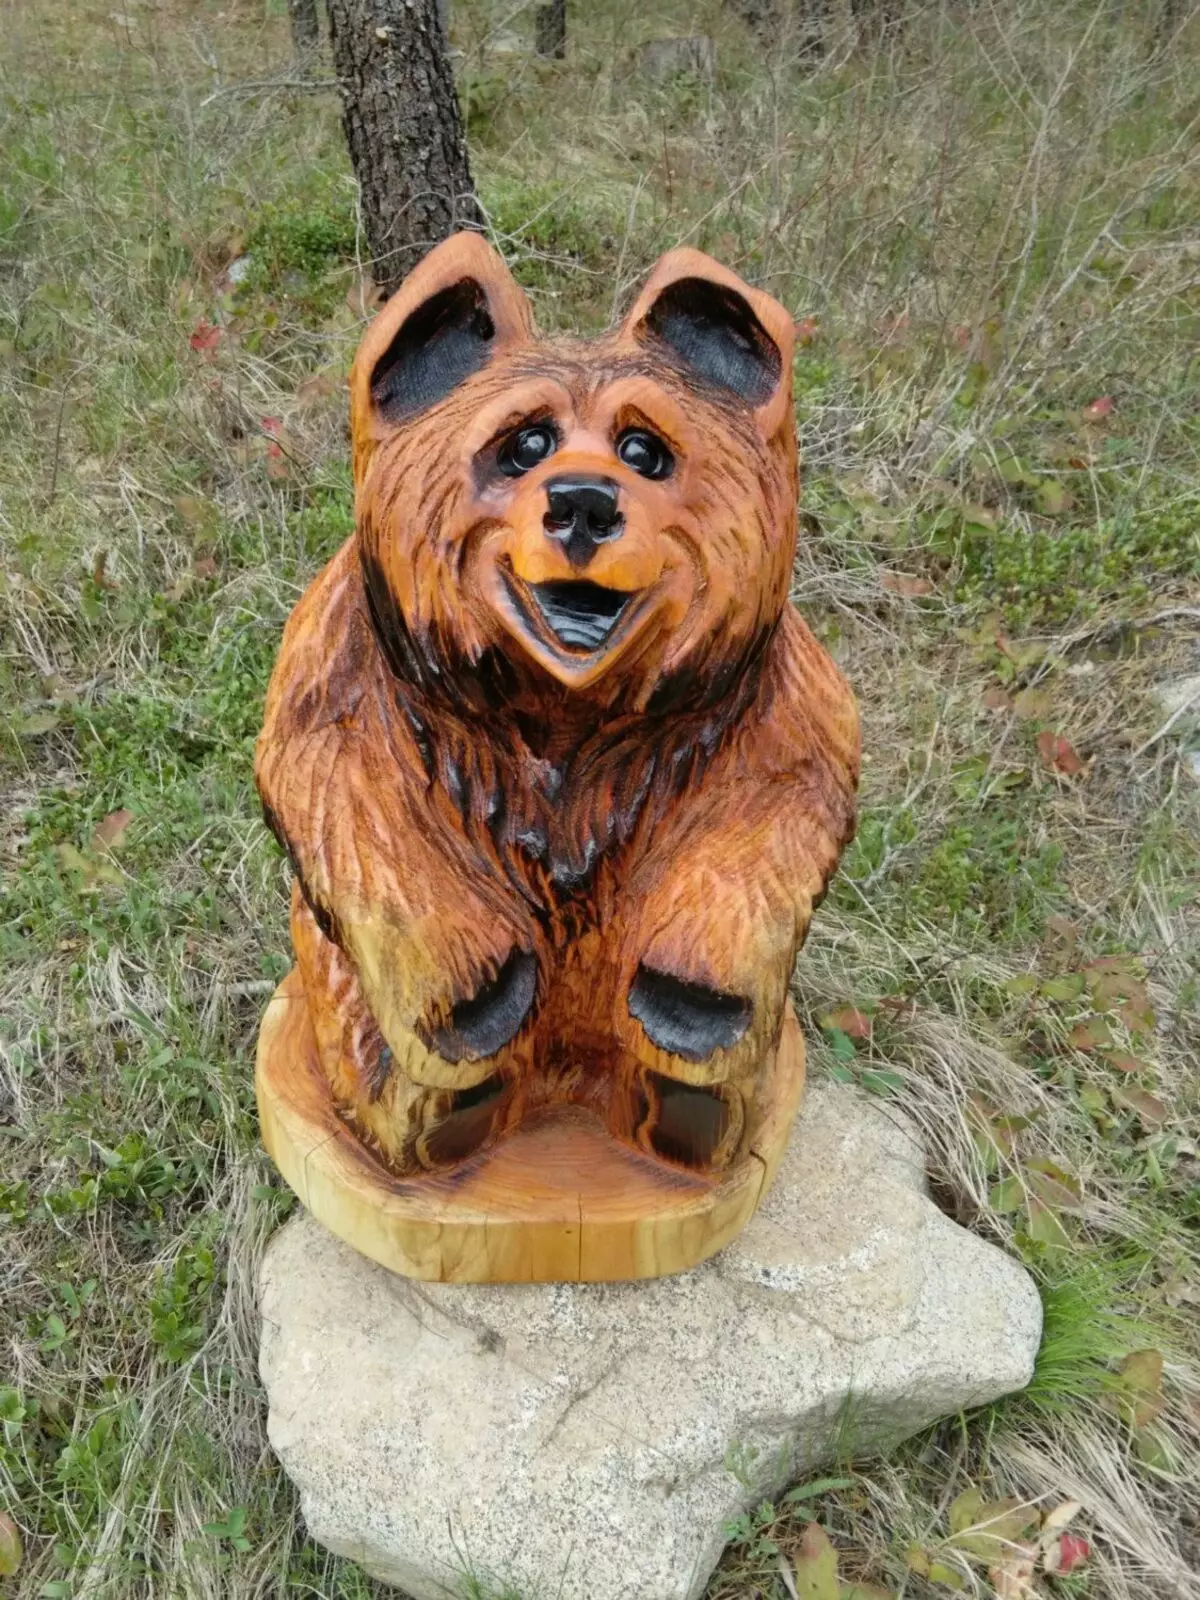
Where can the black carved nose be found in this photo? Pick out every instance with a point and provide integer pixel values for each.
(583, 513)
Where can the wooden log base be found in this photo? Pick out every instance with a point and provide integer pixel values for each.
(556, 1201)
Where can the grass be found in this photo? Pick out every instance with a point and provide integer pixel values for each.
(990, 227)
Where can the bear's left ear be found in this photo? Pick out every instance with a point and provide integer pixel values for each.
(456, 309)
(729, 335)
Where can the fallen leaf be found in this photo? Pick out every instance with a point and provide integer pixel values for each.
(1058, 754)
(1053, 1186)
(1064, 929)
(1060, 1515)
(205, 336)
(1094, 1034)
(38, 722)
(1065, 989)
(1053, 498)
(815, 1565)
(1115, 987)
(926, 1565)
(1045, 1226)
(902, 583)
(996, 700)
(1033, 704)
(1124, 1062)
(321, 386)
(807, 329)
(1149, 1108)
(1066, 1553)
(1098, 409)
(11, 1550)
(850, 1021)
(365, 298)
(1141, 1375)
(1022, 984)
(110, 831)
(1012, 1579)
(1007, 1195)
(205, 566)
(91, 873)
(984, 1528)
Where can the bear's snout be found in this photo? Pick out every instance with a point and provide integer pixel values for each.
(582, 514)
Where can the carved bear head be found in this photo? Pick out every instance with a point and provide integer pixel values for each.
(611, 519)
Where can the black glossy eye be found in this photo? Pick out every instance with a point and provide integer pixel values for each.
(523, 450)
(646, 455)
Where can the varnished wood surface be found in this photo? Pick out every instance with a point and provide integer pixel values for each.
(561, 774)
(557, 1200)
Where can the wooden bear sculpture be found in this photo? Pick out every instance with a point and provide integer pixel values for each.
(562, 776)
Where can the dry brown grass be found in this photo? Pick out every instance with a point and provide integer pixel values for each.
(992, 223)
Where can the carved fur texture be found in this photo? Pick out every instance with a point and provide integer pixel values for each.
(560, 771)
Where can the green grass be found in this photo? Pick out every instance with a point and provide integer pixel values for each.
(990, 229)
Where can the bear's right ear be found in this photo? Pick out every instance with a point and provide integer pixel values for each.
(724, 334)
(453, 312)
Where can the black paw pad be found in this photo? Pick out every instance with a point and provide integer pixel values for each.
(490, 1018)
(687, 1019)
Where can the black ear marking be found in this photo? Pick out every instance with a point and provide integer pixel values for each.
(712, 330)
(687, 1019)
(490, 1018)
(443, 342)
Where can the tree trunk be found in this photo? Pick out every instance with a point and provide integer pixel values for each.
(550, 28)
(404, 128)
(306, 31)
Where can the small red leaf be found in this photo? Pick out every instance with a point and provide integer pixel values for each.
(850, 1021)
(205, 336)
(1058, 754)
(110, 832)
(996, 700)
(1098, 409)
(1069, 1550)
(271, 425)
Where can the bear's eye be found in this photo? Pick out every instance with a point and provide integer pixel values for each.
(523, 450)
(644, 453)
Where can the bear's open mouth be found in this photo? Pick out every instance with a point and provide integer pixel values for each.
(579, 614)
(573, 619)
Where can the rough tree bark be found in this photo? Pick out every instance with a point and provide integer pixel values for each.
(403, 126)
(306, 31)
